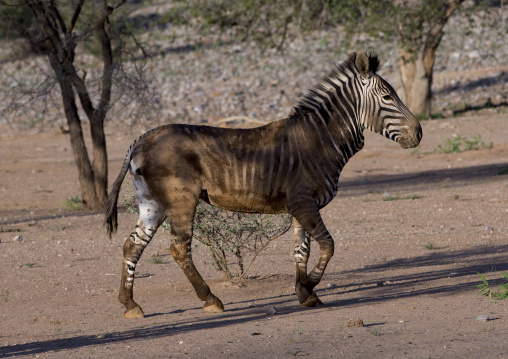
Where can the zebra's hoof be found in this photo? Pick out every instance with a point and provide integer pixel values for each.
(134, 313)
(214, 306)
(312, 301)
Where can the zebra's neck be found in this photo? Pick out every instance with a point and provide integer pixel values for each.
(335, 103)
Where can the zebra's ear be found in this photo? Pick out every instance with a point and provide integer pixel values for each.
(362, 64)
(351, 55)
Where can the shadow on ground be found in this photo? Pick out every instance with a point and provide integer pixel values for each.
(469, 85)
(458, 266)
(454, 177)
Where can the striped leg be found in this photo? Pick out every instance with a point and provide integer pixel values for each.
(311, 222)
(301, 253)
(132, 250)
(151, 217)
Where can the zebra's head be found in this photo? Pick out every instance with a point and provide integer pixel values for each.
(382, 111)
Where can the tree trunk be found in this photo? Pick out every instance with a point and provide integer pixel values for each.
(100, 155)
(97, 115)
(417, 47)
(100, 162)
(416, 79)
(93, 177)
(85, 173)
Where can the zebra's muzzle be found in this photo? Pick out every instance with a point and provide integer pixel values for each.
(408, 143)
(412, 140)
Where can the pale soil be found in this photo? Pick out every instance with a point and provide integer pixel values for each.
(59, 284)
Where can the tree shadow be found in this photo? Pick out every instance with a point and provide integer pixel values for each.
(470, 85)
(473, 84)
(446, 177)
(487, 104)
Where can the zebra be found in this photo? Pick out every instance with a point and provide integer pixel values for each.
(287, 166)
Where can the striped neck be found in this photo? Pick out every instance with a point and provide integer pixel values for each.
(336, 102)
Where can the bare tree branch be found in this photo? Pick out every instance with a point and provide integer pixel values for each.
(56, 14)
(119, 3)
(107, 73)
(75, 16)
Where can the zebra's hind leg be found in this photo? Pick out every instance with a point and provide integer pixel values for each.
(151, 217)
(183, 202)
(132, 250)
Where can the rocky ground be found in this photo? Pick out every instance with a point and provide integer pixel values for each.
(193, 78)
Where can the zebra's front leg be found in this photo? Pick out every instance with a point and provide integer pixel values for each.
(301, 253)
(309, 220)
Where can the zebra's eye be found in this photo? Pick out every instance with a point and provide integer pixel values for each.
(387, 97)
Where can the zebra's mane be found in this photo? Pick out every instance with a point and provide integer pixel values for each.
(312, 99)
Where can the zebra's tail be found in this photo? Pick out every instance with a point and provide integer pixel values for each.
(111, 212)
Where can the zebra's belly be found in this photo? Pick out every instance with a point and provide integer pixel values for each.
(251, 203)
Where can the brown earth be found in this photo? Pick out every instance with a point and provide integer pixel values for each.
(406, 268)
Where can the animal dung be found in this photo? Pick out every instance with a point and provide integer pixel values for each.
(355, 323)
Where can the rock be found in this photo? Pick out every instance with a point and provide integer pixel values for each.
(17, 238)
(473, 54)
(271, 311)
(482, 318)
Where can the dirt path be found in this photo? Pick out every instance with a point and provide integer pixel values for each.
(406, 265)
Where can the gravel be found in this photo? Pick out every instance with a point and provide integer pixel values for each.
(247, 84)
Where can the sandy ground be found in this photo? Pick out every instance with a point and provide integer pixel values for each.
(407, 268)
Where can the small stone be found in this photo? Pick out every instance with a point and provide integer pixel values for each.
(255, 333)
(386, 195)
(17, 238)
(482, 318)
(250, 304)
(271, 311)
(330, 285)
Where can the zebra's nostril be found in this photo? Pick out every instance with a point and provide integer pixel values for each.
(419, 134)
